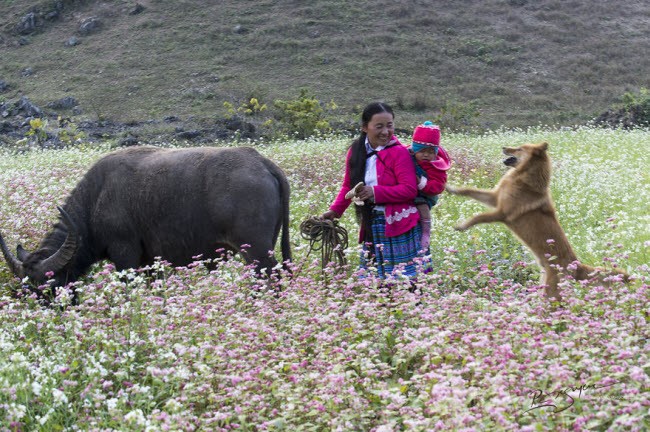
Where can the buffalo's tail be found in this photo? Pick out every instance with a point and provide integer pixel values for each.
(285, 193)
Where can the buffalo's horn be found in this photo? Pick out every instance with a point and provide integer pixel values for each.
(14, 264)
(62, 257)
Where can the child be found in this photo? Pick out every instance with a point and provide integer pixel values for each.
(431, 165)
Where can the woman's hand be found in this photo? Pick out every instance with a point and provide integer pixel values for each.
(331, 215)
(366, 193)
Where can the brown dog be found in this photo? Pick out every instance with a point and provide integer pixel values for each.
(522, 201)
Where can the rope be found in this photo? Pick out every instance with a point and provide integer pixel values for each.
(327, 236)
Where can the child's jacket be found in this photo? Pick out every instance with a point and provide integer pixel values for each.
(435, 174)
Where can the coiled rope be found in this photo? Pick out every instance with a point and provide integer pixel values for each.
(327, 236)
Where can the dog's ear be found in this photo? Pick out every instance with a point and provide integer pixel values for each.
(543, 146)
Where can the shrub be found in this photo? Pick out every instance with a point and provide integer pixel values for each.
(302, 117)
(633, 111)
(458, 116)
(638, 105)
(299, 118)
(250, 108)
(43, 133)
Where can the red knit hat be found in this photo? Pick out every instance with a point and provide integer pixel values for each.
(427, 134)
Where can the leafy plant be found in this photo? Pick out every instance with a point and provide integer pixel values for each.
(638, 105)
(40, 131)
(250, 108)
(37, 131)
(457, 115)
(302, 117)
(631, 112)
(68, 132)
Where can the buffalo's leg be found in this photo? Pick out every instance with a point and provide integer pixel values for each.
(125, 254)
(261, 254)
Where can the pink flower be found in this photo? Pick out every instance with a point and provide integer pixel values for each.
(625, 355)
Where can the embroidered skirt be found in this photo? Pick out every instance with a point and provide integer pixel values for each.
(388, 254)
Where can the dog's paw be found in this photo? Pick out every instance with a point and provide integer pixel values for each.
(460, 228)
(451, 189)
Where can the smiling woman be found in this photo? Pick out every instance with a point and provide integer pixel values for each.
(379, 169)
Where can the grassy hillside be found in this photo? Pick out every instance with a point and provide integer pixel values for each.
(511, 62)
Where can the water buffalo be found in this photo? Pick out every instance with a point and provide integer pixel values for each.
(137, 204)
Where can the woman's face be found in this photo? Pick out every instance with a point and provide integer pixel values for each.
(379, 129)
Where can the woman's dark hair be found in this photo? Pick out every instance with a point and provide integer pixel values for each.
(357, 161)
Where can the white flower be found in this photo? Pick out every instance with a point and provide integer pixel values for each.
(111, 404)
(16, 411)
(59, 397)
(36, 388)
(172, 405)
(385, 428)
(18, 358)
(137, 388)
(46, 417)
(136, 416)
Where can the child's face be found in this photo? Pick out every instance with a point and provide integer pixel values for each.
(426, 154)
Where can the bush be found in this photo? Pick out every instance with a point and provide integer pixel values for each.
(299, 118)
(42, 133)
(633, 111)
(302, 117)
(458, 116)
(638, 105)
(250, 108)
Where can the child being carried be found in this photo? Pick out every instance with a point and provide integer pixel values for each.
(431, 165)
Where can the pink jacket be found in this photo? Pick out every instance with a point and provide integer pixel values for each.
(396, 190)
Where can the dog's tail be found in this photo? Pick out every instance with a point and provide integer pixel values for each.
(599, 273)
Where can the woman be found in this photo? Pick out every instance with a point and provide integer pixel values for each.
(389, 219)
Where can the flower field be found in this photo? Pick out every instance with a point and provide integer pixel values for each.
(475, 347)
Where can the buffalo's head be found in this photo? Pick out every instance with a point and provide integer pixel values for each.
(41, 265)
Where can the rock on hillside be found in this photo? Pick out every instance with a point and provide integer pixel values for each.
(59, 129)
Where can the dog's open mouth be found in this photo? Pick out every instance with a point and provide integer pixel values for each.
(510, 161)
